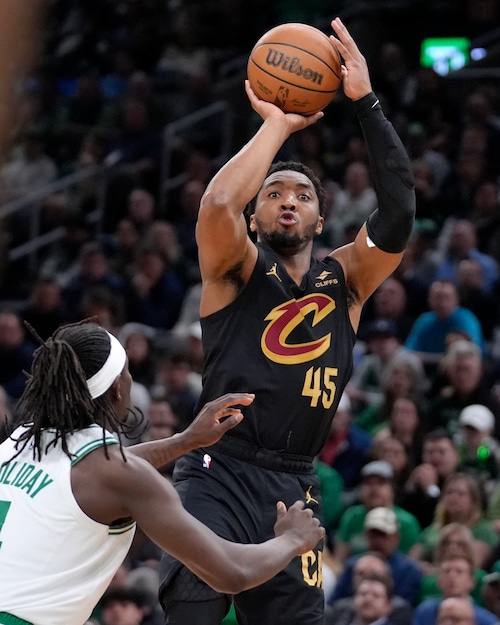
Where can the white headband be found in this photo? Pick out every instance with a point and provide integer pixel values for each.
(100, 382)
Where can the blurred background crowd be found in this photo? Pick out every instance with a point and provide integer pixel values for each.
(131, 108)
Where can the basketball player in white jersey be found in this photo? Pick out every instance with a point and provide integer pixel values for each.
(70, 493)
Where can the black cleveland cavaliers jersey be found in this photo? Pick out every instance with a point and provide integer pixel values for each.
(290, 345)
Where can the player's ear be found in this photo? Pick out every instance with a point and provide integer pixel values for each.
(252, 225)
(115, 390)
(319, 225)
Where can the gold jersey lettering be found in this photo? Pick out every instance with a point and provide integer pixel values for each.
(312, 568)
(320, 384)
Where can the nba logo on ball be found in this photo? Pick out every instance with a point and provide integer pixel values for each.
(282, 96)
(207, 461)
(295, 67)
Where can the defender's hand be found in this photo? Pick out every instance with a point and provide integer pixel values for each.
(299, 524)
(216, 418)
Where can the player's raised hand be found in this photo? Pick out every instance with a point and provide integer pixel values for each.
(268, 109)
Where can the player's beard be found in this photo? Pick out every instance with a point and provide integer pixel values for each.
(283, 242)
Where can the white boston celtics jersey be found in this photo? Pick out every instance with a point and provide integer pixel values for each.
(55, 562)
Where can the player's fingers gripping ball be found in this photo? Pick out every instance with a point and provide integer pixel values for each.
(295, 67)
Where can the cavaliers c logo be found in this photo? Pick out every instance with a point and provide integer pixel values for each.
(285, 318)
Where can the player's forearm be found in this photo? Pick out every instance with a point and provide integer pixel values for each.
(390, 225)
(160, 452)
(245, 566)
(241, 177)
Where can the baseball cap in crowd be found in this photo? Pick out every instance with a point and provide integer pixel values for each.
(194, 330)
(478, 417)
(382, 519)
(380, 468)
(382, 328)
(494, 576)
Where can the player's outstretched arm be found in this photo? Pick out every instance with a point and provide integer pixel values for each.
(135, 490)
(226, 566)
(378, 248)
(242, 566)
(355, 75)
(213, 421)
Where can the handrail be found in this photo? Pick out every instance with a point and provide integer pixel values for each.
(32, 197)
(35, 198)
(167, 182)
(35, 244)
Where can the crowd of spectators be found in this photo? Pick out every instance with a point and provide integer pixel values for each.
(410, 471)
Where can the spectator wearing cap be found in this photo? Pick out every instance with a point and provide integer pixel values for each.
(383, 536)
(341, 611)
(455, 579)
(479, 452)
(347, 447)
(491, 590)
(376, 490)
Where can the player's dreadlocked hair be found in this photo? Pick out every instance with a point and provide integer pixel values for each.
(302, 169)
(56, 394)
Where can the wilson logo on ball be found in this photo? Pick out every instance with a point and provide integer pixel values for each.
(295, 67)
(275, 58)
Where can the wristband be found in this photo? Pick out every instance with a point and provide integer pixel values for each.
(367, 103)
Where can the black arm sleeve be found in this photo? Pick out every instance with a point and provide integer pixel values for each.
(390, 225)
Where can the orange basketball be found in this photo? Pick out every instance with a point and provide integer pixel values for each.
(295, 67)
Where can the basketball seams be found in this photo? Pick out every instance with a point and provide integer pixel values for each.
(292, 84)
(296, 28)
(291, 45)
(295, 67)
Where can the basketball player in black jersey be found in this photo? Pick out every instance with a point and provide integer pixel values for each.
(282, 325)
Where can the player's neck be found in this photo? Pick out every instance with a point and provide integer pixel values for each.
(297, 265)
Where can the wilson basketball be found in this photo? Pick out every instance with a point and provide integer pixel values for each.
(295, 67)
